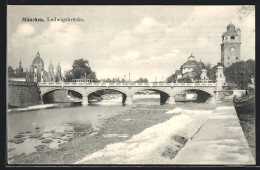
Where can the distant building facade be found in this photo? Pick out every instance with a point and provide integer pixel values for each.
(39, 74)
(230, 47)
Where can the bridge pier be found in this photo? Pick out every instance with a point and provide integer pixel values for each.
(212, 100)
(163, 98)
(84, 100)
(171, 100)
(41, 96)
(127, 99)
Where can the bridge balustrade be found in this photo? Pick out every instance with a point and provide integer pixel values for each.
(124, 84)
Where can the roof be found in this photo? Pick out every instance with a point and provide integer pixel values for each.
(231, 25)
(190, 63)
(229, 33)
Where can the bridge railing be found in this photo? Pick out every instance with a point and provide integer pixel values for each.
(121, 84)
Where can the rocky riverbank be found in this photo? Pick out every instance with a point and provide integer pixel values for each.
(114, 130)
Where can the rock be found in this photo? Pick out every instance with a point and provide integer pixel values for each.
(62, 134)
(16, 140)
(180, 139)
(10, 149)
(47, 141)
(40, 148)
(19, 136)
(35, 135)
(41, 138)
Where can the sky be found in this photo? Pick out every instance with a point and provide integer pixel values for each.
(145, 41)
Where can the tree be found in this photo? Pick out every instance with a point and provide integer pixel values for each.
(80, 69)
(10, 71)
(171, 79)
(141, 80)
(240, 73)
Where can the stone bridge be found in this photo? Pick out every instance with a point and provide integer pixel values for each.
(167, 91)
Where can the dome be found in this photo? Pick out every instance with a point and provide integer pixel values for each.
(38, 59)
(231, 25)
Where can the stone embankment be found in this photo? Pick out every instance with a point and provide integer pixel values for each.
(21, 94)
(220, 141)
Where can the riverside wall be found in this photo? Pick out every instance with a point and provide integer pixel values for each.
(22, 94)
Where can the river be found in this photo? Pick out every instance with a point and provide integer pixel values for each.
(57, 123)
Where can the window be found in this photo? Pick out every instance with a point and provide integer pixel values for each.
(228, 64)
(228, 58)
(237, 58)
(232, 37)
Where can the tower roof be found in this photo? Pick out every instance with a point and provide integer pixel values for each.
(20, 68)
(50, 65)
(230, 31)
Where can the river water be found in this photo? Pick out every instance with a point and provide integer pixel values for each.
(59, 123)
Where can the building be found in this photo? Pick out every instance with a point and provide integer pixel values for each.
(190, 69)
(17, 74)
(230, 47)
(190, 65)
(39, 74)
(37, 67)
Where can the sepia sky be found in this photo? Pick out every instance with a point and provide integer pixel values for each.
(147, 41)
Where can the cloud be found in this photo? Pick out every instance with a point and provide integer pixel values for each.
(147, 45)
(25, 30)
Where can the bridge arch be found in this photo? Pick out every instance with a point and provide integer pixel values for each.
(203, 94)
(206, 90)
(92, 90)
(43, 92)
(164, 93)
(49, 97)
(157, 89)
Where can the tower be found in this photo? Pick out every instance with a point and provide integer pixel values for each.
(39, 65)
(20, 68)
(51, 73)
(230, 47)
(220, 78)
(58, 72)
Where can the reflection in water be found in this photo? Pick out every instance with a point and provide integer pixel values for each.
(50, 127)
